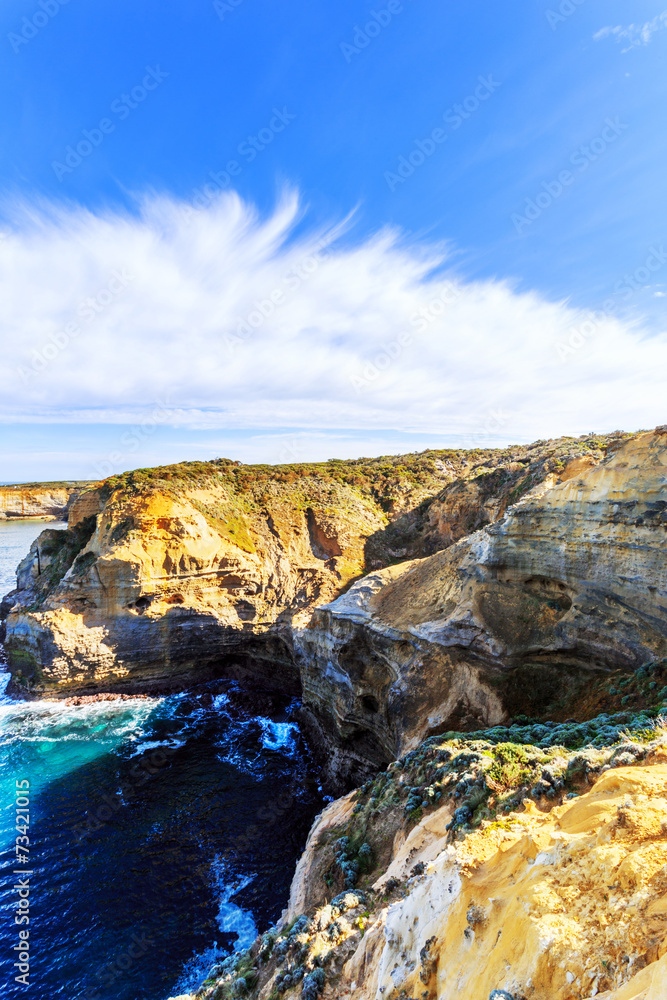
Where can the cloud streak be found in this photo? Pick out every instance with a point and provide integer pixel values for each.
(242, 321)
(636, 34)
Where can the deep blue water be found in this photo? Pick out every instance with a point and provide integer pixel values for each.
(164, 832)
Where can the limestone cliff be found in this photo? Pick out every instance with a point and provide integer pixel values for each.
(170, 576)
(555, 888)
(42, 500)
(510, 594)
(162, 588)
(563, 905)
(520, 616)
(175, 575)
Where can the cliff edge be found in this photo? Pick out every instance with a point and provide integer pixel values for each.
(176, 575)
(40, 500)
(553, 887)
(522, 616)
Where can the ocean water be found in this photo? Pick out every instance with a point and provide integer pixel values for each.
(163, 831)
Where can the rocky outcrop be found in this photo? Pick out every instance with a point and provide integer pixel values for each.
(156, 591)
(562, 905)
(42, 500)
(517, 617)
(169, 577)
(174, 575)
(84, 504)
(483, 493)
(554, 888)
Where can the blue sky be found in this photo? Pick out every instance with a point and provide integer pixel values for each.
(519, 152)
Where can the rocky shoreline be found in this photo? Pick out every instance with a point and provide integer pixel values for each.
(155, 588)
(558, 892)
(475, 641)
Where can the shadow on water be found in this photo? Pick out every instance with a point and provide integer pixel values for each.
(185, 834)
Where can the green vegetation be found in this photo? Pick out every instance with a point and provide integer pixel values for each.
(59, 485)
(375, 478)
(399, 490)
(483, 777)
(492, 771)
(371, 477)
(510, 765)
(229, 522)
(351, 860)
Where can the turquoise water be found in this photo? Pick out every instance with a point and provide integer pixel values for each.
(16, 538)
(163, 831)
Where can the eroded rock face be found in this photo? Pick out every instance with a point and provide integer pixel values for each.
(169, 577)
(572, 579)
(556, 894)
(164, 574)
(163, 591)
(563, 905)
(43, 501)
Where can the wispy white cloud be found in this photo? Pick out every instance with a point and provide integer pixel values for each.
(635, 34)
(226, 319)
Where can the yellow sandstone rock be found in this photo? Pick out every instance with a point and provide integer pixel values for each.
(42, 500)
(570, 905)
(191, 571)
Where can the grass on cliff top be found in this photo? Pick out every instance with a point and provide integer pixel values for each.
(491, 772)
(364, 474)
(373, 477)
(68, 484)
